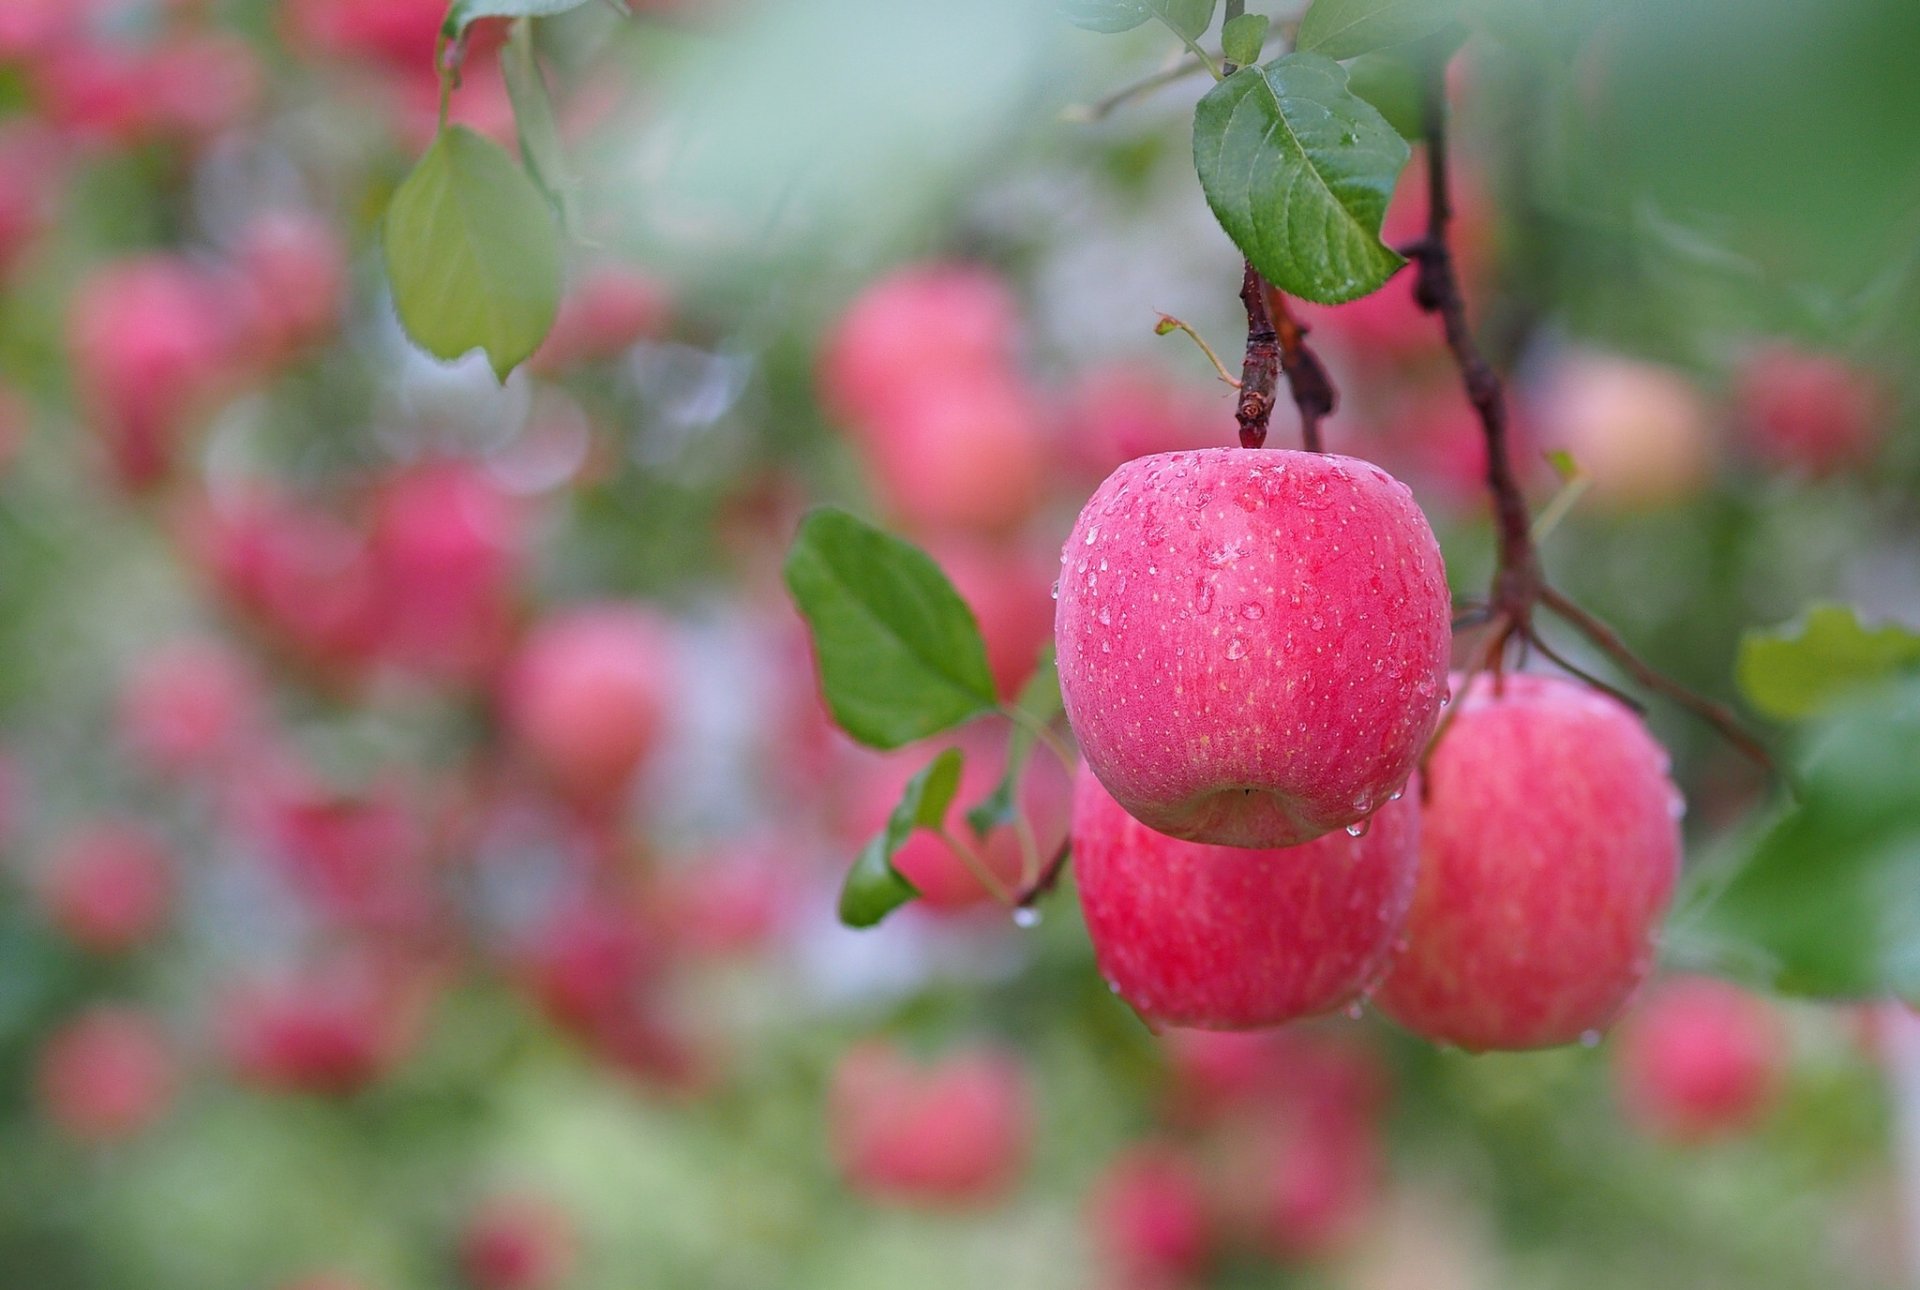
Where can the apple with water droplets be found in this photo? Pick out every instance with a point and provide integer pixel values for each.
(1550, 840)
(1252, 644)
(1229, 938)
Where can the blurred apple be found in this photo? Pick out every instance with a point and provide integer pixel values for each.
(109, 886)
(952, 1133)
(106, 1075)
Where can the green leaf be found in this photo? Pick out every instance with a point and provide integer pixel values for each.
(472, 254)
(1347, 28)
(1563, 465)
(1298, 171)
(1392, 85)
(1794, 671)
(1242, 39)
(900, 654)
(874, 888)
(462, 13)
(1189, 19)
(1825, 900)
(534, 123)
(1039, 700)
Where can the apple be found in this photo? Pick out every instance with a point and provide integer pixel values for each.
(1149, 1215)
(921, 322)
(967, 452)
(109, 886)
(1809, 412)
(1640, 433)
(1550, 841)
(1319, 1184)
(188, 705)
(1218, 1075)
(611, 308)
(953, 1133)
(1229, 938)
(587, 697)
(106, 1075)
(293, 272)
(1010, 591)
(1117, 413)
(517, 1242)
(1252, 644)
(1697, 1059)
(329, 1028)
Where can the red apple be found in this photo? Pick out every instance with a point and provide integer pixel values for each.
(293, 271)
(1697, 1059)
(109, 886)
(918, 327)
(1640, 433)
(328, 1029)
(1809, 412)
(966, 452)
(1549, 845)
(1117, 413)
(106, 1075)
(517, 1242)
(951, 1134)
(1150, 1219)
(1252, 644)
(587, 697)
(1229, 938)
(611, 308)
(188, 705)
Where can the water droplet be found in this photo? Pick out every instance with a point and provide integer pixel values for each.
(1026, 916)
(1205, 603)
(1356, 1010)
(1590, 1039)
(1251, 611)
(1235, 649)
(1093, 534)
(1358, 829)
(1056, 588)
(1106, 616)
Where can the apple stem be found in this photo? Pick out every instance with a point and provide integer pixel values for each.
(1277, 344)
(1049, 878)
(1519, 584)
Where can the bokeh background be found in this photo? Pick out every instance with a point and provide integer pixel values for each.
(419, 831)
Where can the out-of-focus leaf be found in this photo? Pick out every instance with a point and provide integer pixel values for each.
(874, 888)
(1298, 170)
(1392, 85)
(1346, 28)
(534, 123)
(472, 253)
(1826, 900)
(1795, 670)
(1189, 19)
(900, 655)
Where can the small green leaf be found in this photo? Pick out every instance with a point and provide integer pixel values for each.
(1392, 85)
(1189, 19)
(1794, 671)
(1298, 171)
(472, 254)
(1347, 28)
(1563, 465)
(534, 123)
(1825, 900)
(900, 654)
(1242, 39)
(1039, 699)
(874, 888)
(462, 13)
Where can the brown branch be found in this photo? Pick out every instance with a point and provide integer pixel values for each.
(1307, 379)
(1260, 371)
(1571, 668)
(1608, 642)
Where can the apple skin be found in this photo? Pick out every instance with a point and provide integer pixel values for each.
(1252, 644)
(107, 1075)
(109, 887)
(1808, 412)
(951, 1134)
(1550, 841)
(1230, 938)
(1698, 1059)
(1149, 1215)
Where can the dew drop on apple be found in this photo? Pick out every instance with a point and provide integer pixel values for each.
(1026, 916)
(1056, 588)
(1358, 829)
(1235, 649)
(1589, 1039)
(1251, 611)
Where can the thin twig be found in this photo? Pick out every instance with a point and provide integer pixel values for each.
(1566, 665)
(1049, 877)
(1168, 324)
(1608, 642)
(1100, 109)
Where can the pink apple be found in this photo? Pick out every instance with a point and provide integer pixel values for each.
(1640, 433)
(293, 279)
(915, 329)
(106, 1075)
(1117, 413)
(188, 705)
(517, 1242)
(1809, 412)
(1218, 1076)
(1697, 1058)
(109, 886)
(1252, 644)
(954, 1133)
(328, 1029)
(1228, 938)
(35, 163)
(360, 861)
(1550, 841)
(1318, 1185)
(965, 452)
(587, 697)
(1149, 1214)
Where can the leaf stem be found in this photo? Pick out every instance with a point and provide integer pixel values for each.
(1043, 732)
(1168, 324)
(977, 866)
